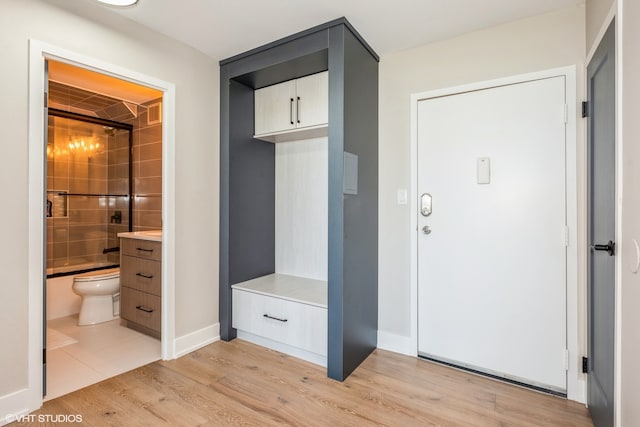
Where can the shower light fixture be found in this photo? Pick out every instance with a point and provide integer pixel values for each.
(119, 3)
(79, 145)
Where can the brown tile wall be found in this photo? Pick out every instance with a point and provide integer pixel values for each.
(147, 172)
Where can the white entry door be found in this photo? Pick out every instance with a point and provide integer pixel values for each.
(492, 258)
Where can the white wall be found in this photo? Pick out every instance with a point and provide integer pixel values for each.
(629, 90)
(596, 14)
(542, 42)
(115, 40)
(301, 184)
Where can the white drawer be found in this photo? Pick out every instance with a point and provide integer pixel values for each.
(292, 323)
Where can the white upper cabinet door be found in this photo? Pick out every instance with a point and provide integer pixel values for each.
(296, 104)
(275, 108)
(312, 100)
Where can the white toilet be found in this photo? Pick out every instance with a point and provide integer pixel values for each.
(97, 289)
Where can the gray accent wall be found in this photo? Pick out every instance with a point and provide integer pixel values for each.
(251, 193)
(247, 180)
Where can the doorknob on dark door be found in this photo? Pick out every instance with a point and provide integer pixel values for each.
(609, 247)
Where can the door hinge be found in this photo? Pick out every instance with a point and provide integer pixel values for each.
(46, 100)
(566, 235)
(585, 109)
(566, 359)
(585, 365)
(566, 114)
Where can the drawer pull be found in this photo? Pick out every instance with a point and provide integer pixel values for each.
(274, 318)
(144, 249)
(143, 308)
(146, 276)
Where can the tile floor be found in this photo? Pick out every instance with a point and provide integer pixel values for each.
(102, 351)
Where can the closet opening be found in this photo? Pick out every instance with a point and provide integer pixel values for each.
(103, 169)
(282, 285)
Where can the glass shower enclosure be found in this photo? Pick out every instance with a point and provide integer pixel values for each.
(89, 188)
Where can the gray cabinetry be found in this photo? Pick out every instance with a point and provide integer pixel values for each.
(247, 179)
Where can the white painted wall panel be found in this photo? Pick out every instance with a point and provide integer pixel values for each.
(301, 208)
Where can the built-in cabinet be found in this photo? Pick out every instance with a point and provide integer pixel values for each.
(141, 284)
(295, 105)
(286, 313)
(298, 223)
(287, 310)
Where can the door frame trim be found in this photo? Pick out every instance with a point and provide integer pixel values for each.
(576, 384)
(38, 52)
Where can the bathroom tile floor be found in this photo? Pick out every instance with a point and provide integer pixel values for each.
(102, 351)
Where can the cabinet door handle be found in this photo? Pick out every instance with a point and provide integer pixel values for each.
(145, 250)
(291, 110)
(146, 276)
(298, 109)
(143, 308)
(274, 318)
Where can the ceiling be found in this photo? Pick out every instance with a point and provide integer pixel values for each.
(222, 29)
(101, 84)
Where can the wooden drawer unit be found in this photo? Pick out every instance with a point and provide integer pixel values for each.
(141, 308)
(141, 284)
(141, 274)
(146, 249)
(293, 323)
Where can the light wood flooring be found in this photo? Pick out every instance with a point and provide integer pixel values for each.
(240, 384)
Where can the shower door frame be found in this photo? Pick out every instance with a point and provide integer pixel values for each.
(101, 122)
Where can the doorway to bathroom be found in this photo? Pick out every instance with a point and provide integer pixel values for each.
(103, 174)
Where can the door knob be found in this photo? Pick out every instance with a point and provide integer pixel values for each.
(426, 229)
(609, 247)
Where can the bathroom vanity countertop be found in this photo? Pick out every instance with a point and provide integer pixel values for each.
(154, 235)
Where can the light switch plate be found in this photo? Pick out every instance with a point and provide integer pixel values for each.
(402, 196)
(484, 170)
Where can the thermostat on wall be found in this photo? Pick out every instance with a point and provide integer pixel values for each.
(350, 183)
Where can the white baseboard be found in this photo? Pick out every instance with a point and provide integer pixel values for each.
(397, 343)
(197, 339)
(15, 405)
(318, 359)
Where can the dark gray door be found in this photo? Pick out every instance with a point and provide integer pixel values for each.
(601, 303)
